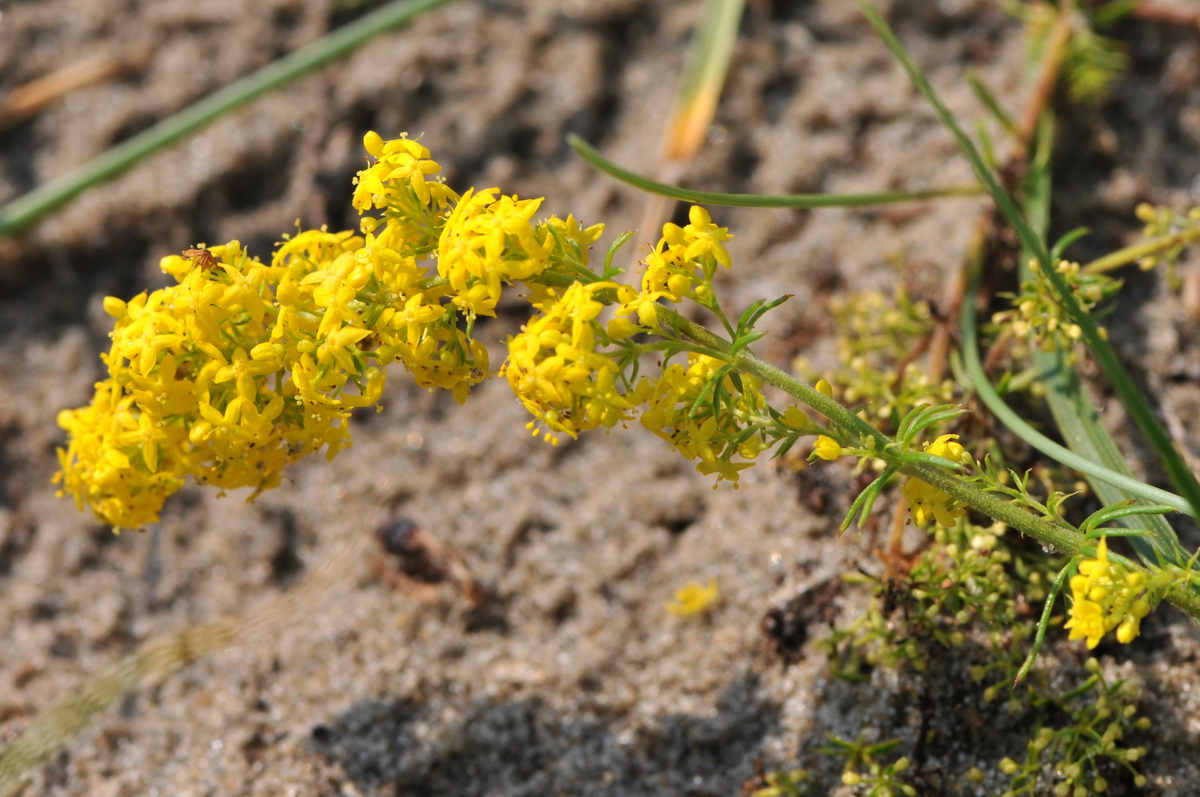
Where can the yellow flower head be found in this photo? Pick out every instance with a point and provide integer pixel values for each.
(487, 242)
(827, 448)
(676, 411)
(681, 264)
(556, 371)
(693, 598)
(945, 447)
(926, 502)
(1086, 621)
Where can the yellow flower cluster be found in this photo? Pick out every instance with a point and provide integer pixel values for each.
(705, 430)
(1107, 595)
(675, 269)
(557, 372)
(242, 367)
(926, 502)
(487, 242)
(559, 368)
(413, 208)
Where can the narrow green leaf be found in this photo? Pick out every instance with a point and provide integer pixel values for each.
(609, 271)
(25, 210)
(1044, 620)
(985, 96)
(861, 507)
(589, 154)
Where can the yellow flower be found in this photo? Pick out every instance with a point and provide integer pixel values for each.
(692, 598)
(676, 412)
(703, 237)
(1086, 621)
(487, 242)
(556, 371)
(926, 502)
(827, 448)
(945, 447)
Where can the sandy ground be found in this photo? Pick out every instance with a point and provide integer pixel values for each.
(570, 677)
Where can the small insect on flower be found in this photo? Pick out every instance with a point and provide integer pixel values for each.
(201, 257)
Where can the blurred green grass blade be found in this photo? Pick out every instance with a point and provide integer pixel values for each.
(704, 78)
(988, 100)
(1139, 409)
(27, 209)
(1076, 417)
(589, 154)
(1079, 424)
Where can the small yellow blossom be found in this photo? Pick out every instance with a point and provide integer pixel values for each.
(1086, 622)
(693, 598)
(705, 238)
(926, 502)
(945, 447)
(827, 448)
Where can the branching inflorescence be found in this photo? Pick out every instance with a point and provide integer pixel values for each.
(243, 367)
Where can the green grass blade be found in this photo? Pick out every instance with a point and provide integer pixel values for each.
(1079, 424)
(985, 96)
(27, 209)
(589, 154)
(704, 78)
(1139, 409)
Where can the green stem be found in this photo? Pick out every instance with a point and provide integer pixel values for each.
(988, 395)
(1063, 538)
(27, 209)
(1132, 254)
(746, 362)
